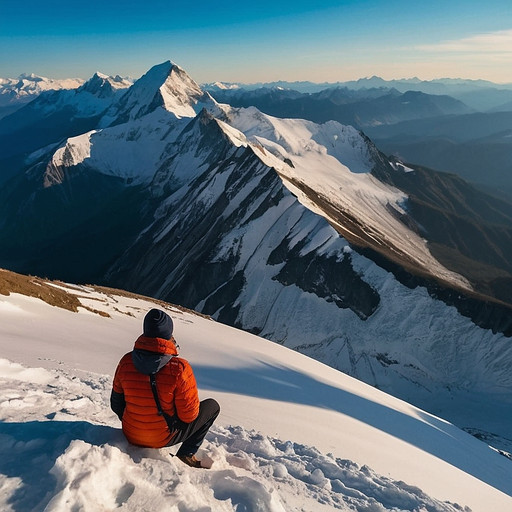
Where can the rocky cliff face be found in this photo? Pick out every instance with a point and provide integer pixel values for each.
(227, 224)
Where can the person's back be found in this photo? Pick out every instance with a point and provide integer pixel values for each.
(143, 408)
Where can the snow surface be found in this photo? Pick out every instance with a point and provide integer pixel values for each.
(293, 435)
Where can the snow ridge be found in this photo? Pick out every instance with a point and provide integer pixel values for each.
(335, 162)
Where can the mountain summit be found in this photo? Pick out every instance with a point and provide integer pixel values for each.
(102, 86)
(165, 85)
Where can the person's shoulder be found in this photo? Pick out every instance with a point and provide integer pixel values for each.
(179, 365)
(126, 359)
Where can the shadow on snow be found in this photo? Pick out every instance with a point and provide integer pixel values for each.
(29, 450)
(426, 432)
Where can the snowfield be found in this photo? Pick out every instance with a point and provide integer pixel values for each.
(293, 434)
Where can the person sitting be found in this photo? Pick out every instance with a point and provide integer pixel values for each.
(155, 395)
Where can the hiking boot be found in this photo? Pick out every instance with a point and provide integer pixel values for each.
(190, 460)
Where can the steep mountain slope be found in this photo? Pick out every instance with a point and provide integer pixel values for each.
(238, 214)
(467, 231)
(293, 434)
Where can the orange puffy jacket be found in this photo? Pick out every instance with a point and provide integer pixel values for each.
(176, 386)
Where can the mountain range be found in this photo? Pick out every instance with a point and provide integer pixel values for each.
(16, 92)
(477, 146)
(303, 233)
(480, 95)
(455, 126)
(370, 107)
(410, 118)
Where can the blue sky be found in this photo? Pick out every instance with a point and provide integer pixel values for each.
(265, 40)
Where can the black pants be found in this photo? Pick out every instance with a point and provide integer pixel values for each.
(193, 434)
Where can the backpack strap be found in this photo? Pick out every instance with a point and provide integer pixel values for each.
(152, 379)
(172, 421)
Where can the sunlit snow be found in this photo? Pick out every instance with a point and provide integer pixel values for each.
(293, 434)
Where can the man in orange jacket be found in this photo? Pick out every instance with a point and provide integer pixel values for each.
(155, 393)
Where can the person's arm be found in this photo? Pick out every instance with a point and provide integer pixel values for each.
(186, 398)
(117, 403)
(117, 400)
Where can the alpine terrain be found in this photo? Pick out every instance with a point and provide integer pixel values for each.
(293, 435)
(302, 233)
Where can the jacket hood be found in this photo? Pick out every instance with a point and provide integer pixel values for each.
(159, 345)
(150, 355)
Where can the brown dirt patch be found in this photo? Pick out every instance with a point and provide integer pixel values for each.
(31, 286)
(10, 282)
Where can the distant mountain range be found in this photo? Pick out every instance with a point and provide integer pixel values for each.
(301, 232)
(358, 108)
(480, 95)
(477, 146)
(16, 92)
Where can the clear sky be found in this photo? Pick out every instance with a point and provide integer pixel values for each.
(264, 40)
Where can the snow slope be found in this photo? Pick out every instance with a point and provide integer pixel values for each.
(144, 144)
(335, 161)
(293, 433)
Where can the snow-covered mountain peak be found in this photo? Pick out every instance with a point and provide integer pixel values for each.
(165, 85)
(31, 77)
(103, 86)
(222, 86)
(182, 95)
